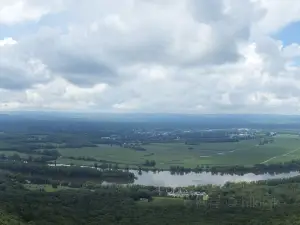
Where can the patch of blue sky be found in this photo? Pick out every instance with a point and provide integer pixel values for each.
(18, 30)
(296, 61)
(289, 34)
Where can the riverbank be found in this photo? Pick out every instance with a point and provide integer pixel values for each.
(284, 167)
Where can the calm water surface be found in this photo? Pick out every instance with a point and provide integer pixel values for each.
(166, 179)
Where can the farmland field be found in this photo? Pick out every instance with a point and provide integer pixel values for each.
(285, 148)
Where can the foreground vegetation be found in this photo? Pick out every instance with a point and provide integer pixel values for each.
(261, 203)
(7, 219)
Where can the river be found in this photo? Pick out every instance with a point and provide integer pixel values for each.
(166, 179)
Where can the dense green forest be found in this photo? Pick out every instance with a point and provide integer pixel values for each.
(6, 219)
(277, 202)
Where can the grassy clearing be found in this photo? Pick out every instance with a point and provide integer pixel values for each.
(162, 201)
(167, 154)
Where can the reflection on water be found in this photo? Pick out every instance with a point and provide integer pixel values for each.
(165, 178)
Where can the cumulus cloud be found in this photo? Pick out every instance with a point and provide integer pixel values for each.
(17, 69)
(7, 41)
(17, 11)
(193, 56)
(274, 11)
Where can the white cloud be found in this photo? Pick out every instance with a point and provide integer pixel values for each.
(7, 41)
(16, 11)
(278, 14)
(154, 56)
(18, 70)
(292, 51)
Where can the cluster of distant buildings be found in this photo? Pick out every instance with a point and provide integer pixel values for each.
(139, 136)
(183, 194)
(243, 133)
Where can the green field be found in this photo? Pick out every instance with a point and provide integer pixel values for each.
(285, 148)
(4, 145)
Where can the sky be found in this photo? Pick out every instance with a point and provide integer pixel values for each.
(154, 56)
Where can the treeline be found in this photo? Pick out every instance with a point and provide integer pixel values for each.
(88, 158)
(98, 163)
(26, 142)
(105, 164)
(33, 149)
(63, 172)
(37, 159)
(197, 141)
(284, 167)
(150, 163)
(29, 179)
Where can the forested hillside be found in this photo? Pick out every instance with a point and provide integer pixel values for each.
(118, 205)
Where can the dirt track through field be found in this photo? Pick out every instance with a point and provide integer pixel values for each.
(295, 150)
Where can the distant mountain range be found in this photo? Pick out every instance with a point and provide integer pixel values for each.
(153, 117)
